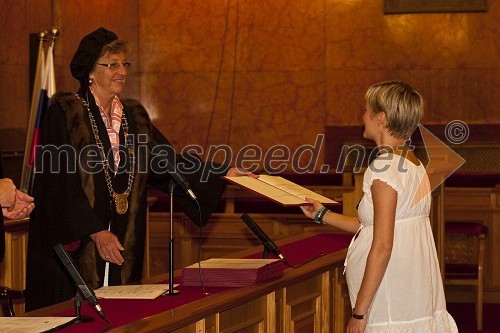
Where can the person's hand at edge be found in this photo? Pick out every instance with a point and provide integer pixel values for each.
(23, 206)
(7, 194)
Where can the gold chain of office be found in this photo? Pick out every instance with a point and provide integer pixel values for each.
(121, 199)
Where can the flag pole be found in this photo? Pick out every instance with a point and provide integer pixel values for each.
(51, 89)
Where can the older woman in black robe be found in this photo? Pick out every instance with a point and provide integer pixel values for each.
(99, 154)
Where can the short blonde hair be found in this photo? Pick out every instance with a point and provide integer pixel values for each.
(402, 105)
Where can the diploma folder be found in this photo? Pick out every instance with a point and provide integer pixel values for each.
(279, 189)
(217, 272)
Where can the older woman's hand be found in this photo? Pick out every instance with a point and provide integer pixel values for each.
(109, 246)
(235, 172)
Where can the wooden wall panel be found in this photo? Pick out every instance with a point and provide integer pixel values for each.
(288, 68)
(19, 19)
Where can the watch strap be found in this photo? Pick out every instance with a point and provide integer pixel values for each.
(357, 316)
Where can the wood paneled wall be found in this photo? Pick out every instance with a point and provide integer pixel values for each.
(287, 68)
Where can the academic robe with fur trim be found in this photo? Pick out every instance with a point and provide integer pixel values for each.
(72, 199)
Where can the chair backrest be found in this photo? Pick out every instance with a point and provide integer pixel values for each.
(469, 228)
(6, 294)
(462, 242)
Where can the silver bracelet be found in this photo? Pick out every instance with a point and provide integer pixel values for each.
(318, 218)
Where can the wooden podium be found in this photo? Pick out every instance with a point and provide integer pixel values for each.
(311, 298)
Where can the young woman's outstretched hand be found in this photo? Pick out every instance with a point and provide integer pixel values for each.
(311, 210)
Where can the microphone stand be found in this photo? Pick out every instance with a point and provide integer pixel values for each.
(171, 290)
(78, 304)
(77, 301)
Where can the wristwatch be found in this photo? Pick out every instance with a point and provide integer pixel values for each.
(357, 316)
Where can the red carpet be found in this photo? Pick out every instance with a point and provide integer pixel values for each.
(465, 317)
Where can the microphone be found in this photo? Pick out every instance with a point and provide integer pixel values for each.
(82, 286)
(266, 241)
(180, 180)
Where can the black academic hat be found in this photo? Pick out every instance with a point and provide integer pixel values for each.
(88, 52)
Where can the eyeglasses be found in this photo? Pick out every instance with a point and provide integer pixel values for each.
(116, 65)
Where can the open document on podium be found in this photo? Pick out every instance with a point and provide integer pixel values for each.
(279, 189)
(32, 324)
(139, 291)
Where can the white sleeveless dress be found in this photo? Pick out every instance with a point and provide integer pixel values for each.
(410, 297)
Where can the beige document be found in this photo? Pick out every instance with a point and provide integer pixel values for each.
(279, 189)
(140, 291)
(31, 324)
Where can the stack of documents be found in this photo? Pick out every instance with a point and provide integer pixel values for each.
(232, 272)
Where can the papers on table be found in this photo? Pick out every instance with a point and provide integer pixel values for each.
(218, 272)
(141, 291)
(31, 324)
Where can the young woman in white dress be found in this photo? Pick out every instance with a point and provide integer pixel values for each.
(392, 268)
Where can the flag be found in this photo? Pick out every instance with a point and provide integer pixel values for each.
(47, 90)
(40, 104)
(37, 86)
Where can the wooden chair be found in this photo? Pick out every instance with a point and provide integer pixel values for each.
(6, 297)
(7, 294)
(464, 262)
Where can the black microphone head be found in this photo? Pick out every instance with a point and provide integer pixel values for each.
(180, 180)
(261, 235)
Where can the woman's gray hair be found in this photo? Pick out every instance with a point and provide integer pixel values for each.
(116, 46)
